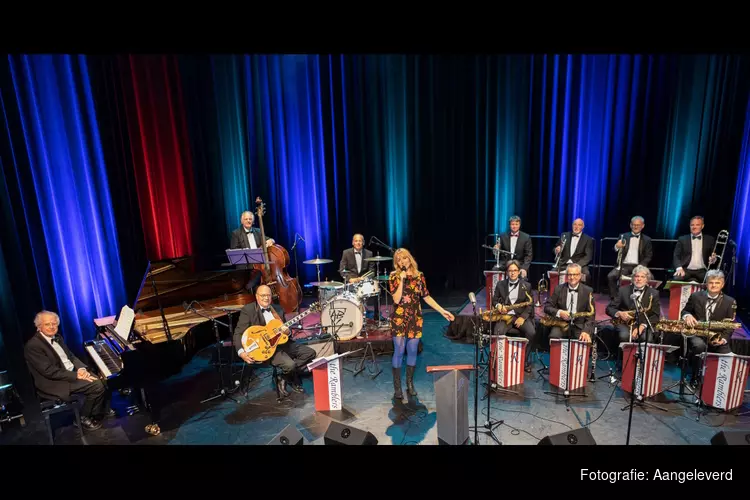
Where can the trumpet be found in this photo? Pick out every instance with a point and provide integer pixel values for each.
(620, 253)
(562, 246)
(497, 315)
(541, 287)
(721, 239)
(563, 324)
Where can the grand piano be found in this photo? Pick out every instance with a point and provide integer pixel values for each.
(171, 320)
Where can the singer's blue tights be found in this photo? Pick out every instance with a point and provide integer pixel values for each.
(401, 344)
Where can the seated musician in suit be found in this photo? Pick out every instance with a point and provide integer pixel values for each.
(577, 249)
(518, 244)
(247, 236)
(694, 253)
(704, 305)
(514, 290)
(353, 266)
(623, 308)
(636, 249)
(58, 373)
(570, 298)
(291, 358)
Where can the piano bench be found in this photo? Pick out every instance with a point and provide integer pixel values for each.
(50, 407)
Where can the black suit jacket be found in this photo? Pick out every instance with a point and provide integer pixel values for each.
(645, 249)
(250, 315)
(50, 376)
(239, 240)
(559, 300)
(683, 251)
(584, 253)
(502, 291)
(349, 262)
(523, 252)
(623, 302)
(696, 305)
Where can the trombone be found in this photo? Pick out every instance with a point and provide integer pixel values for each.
(721, 239)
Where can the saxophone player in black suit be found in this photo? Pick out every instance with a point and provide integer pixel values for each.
(622, 308)
(577, 249)
(634, 249)
(514, 290)
(694, 252)
(518, 244)
(572, 297)
(353, 266)
(710, 304)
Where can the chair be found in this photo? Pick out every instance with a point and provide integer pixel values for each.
(274, 375)
(51, 407)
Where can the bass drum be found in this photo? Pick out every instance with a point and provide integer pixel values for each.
(343, 317)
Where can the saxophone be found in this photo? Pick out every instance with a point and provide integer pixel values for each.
(563, 324)
(709, 329)
(496, 315)
(628, 322)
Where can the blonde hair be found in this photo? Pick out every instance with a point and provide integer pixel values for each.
(397, 255)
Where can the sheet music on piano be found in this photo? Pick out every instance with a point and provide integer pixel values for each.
(125, 323)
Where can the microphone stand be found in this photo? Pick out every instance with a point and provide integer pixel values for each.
(221, 391)
(294, 249)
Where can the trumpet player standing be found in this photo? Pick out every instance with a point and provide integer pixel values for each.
(710, 304)
(575, 299)
(515, 292)
(622, 309)
(633, 249)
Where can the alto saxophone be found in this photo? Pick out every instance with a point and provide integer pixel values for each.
(563, 324)
(631, 320)
(708, 329)
(496, 315)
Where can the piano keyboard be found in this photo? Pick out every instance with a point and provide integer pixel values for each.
(106, 360)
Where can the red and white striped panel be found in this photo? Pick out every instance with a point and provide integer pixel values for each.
(724, 380)
(509, 359)
(648, 381)
(560, 362)
(327, 386)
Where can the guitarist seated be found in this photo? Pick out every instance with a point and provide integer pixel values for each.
(290, 358)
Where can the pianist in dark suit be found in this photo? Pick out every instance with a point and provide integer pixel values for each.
(291, 357)
(58, 373)
(247, 236)
(578, 249)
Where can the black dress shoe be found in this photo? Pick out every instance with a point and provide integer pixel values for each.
(281, 383)
(110, 413)
(89, 424)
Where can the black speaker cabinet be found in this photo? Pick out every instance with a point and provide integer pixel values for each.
(579, 436)
(287, 437)
(341, 434)
(731, 438)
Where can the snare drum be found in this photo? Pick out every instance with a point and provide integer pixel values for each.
(343, 316)
(328, 292)
(368, 288)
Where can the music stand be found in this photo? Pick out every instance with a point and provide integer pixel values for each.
(239, 256)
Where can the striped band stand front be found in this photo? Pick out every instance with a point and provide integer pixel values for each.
(724, 380)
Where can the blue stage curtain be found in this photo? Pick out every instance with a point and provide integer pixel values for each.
(62, 206)
(740, 232)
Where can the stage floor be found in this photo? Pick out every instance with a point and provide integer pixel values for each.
(368, 404)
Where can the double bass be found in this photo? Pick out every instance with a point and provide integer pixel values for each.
(285, 289)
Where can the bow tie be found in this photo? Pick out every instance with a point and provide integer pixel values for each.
(54, 339)
(573, 290)
(357, 253)
(635, 235)
(574, 235)
(639, 290)
(698, 237)
(514, 235)
(265, 310)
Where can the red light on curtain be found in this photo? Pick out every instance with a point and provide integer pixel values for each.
(161, 154)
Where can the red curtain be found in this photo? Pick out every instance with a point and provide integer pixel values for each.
(160, 152)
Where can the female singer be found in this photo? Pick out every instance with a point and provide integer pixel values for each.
(408, 286)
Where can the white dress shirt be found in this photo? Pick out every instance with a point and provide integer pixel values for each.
(60, 352)
(573, 244)
(696, 257)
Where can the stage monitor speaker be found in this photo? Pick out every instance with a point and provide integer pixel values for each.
(578, 436)
(731, 438)
(341, 434)
(289, 436)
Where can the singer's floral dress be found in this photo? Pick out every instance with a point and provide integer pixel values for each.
(406, 320)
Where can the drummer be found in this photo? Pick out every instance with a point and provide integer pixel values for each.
(354, 264)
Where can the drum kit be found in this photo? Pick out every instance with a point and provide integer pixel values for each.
(343, 310)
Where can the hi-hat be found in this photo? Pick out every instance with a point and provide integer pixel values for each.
(378, 259)
(327, 284)
(318, 261)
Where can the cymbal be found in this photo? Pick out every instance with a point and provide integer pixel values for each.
(318, 261)
(378, 259)
(327, 284)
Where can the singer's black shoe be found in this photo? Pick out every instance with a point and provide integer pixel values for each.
(410, 390)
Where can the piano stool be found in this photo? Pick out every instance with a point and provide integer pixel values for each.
(51, 407)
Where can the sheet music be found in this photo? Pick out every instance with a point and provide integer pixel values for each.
(125, 323)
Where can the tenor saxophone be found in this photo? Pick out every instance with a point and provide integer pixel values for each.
(547, 320)
(628, 322)
(496, 315)
(708, 329)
